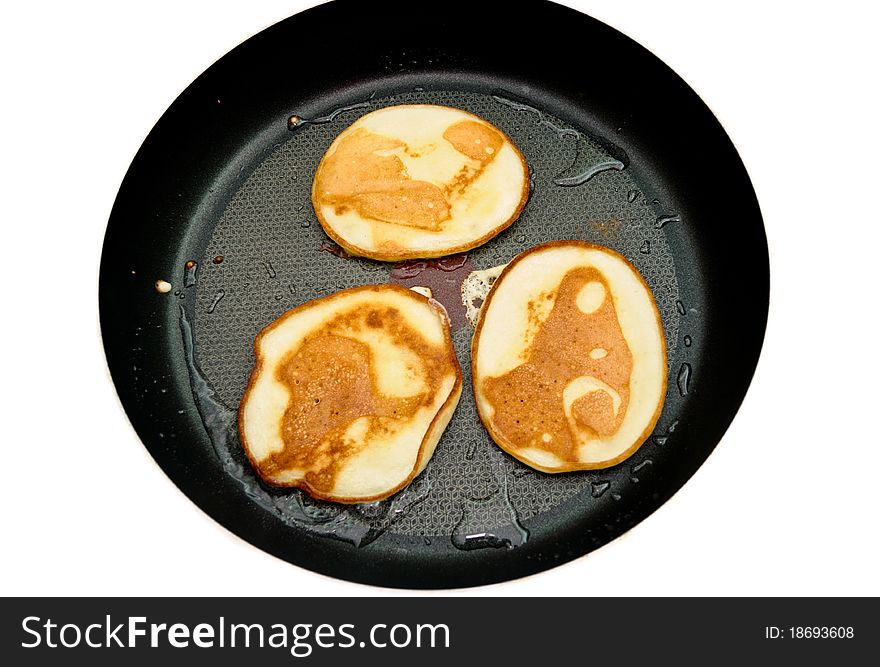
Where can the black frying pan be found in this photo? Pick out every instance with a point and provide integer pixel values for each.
(622, 153)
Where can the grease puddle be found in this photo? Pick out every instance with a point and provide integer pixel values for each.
(295, 122)
(444, 277)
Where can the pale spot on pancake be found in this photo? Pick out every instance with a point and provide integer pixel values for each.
(546, 437)
(598, 353)
(591, 297)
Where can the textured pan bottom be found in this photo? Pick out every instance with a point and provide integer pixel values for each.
(275, 256)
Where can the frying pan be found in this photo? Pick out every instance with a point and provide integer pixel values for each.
(216, 202)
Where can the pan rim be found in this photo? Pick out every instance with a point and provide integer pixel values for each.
(115, 328)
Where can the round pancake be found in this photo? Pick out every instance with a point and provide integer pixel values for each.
(350, 393)
(418, 181)
(569, 358)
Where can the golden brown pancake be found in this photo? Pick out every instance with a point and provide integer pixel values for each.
(569, 358)
(418, 181)
(350, 393)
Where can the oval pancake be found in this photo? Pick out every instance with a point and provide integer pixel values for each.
(418, 181)
(350, 393)
(569, 358)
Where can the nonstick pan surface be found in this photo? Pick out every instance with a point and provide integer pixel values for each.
(621, 152)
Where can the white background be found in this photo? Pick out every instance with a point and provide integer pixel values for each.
(787, 504)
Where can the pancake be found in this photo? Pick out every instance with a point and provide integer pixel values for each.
(350, 393)
(569, 358)
(418, 181)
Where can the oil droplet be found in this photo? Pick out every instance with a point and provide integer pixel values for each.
(295, 121)
(646, 462)
(664, 220)
(616, 496)
(520, 239)
(588, 173)
(427, 541)
(218, 259)
(472, 448)
(217, 298)
(333, 249)
(189, 273)
(413, 269)
(679, 306)
(585, 173)
(632, 195)
(684, 379)
(510, 536)
(646, 248)
(163, 286)
(305, 224)
(660, 439)
(597, 489)
(270, 270)
(495, 540)
(687, 341)
(672, 427)
(408, 269)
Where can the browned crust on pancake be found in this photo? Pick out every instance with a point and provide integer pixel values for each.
(475, 345)
(450, 402)
(396, 253)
